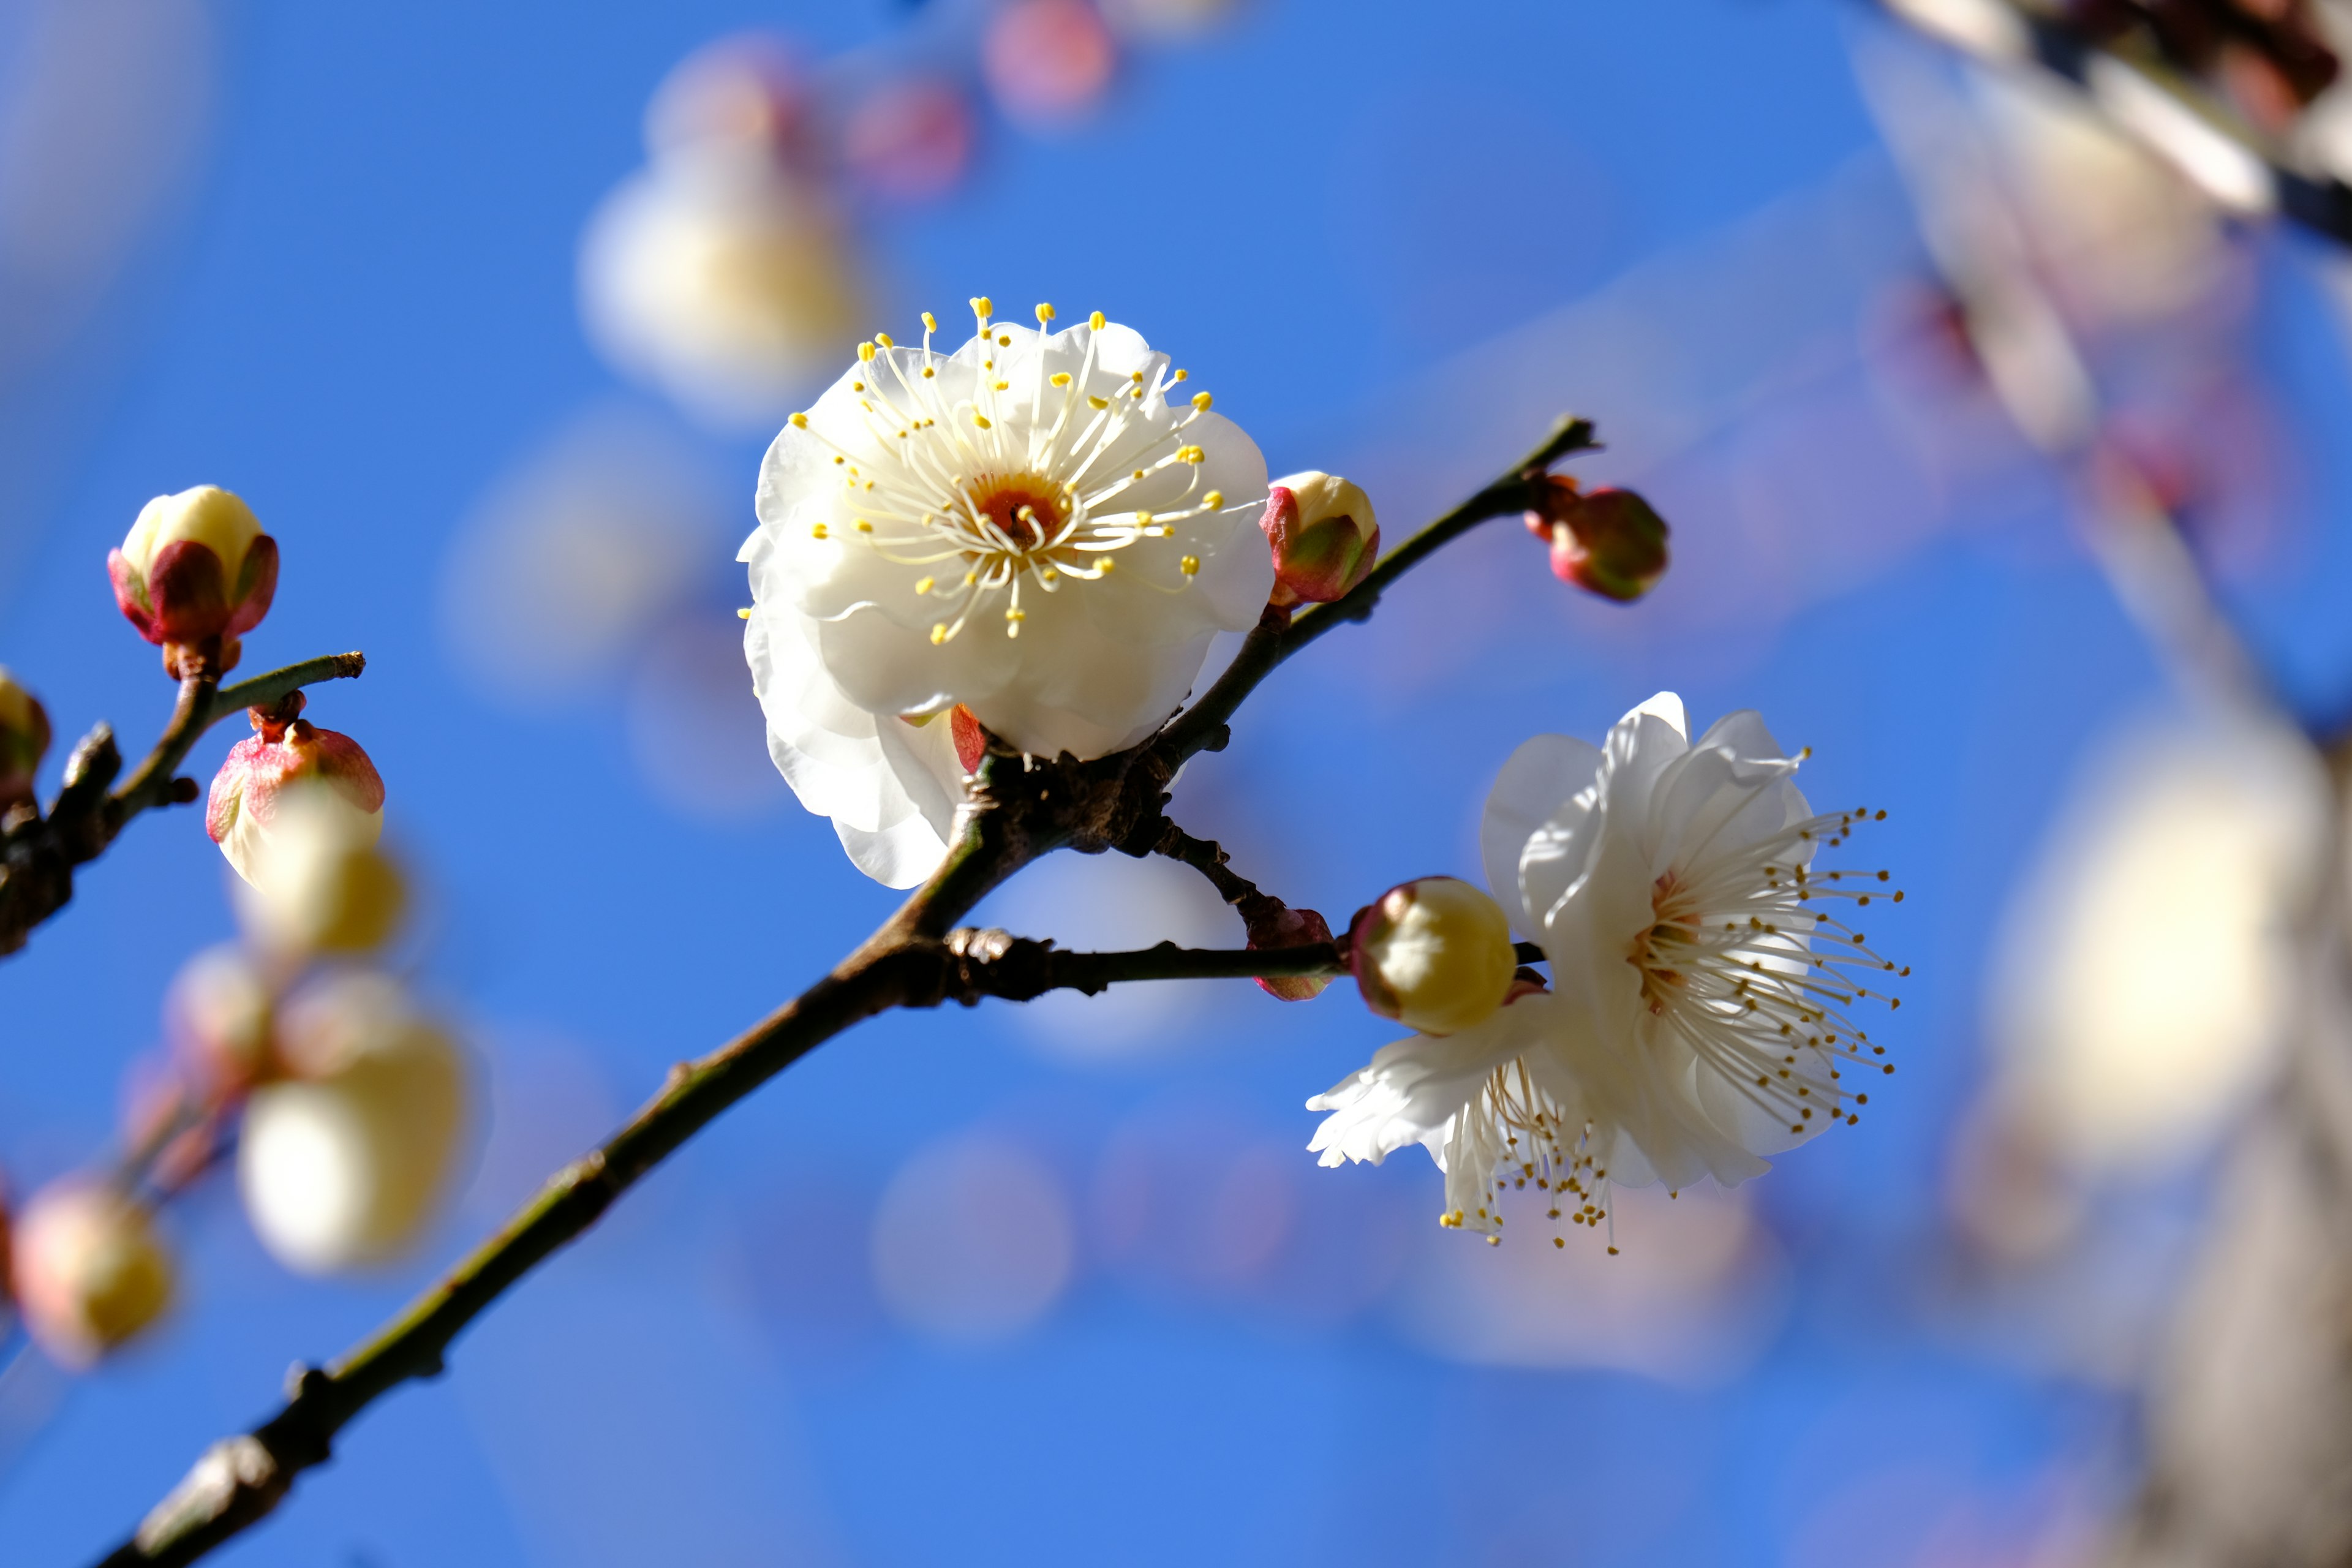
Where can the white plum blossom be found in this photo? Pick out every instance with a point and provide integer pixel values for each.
(1698, 1014)
(1027, 529)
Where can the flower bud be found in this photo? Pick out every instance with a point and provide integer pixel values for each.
(89, 1270)
(1324, 536)
(218, 1016)
(24, 740)
(1290, 927)
(195, 569)
(1435, 955)
(260, 771)
(1608, 542)
(340, 1166)
(317, 884)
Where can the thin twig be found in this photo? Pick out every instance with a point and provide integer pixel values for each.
(1018, 809)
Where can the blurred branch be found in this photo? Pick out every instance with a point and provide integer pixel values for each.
(38, 854)
(2167, 111)
(1018, 810)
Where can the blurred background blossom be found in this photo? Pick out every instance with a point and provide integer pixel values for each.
(490, 316)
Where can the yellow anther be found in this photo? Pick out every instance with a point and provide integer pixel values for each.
(970, 578)
(1016, 615)
(1190, 455)
(930, 322)
(1201, 401)
(1095, 320)
(837, 461)
(1103, 569)
(1139, 475)
(1143, 518)
(982, 307)
(1044, 315)
(1213, 501)
(742, 615)
(928, 373)
(863, 526)
(1189, 565)
(1136, 376)
(800, 421)
(1049, 575)
(1060, 378)
(865, 353)
(884, 338)
(1003, 386)
(859, 386)
(817, 532)
(1004, 342)
(924, 584)
(982, 420)
(1184, 375)
(938, 633)
(1094, 402)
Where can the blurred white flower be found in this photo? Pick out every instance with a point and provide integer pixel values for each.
(341, 1166)
(1167, 18)
(317, 884)
(577, 551)
(1027, 528)
(2144, 973)
(726, 282)
(973, 1241)
(1699, 1017)
(88, 1269)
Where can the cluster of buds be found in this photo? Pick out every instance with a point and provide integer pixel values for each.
(1323, 534)
(1608, 541)
(195, 573)
(2271, 58)
(23, 740)
(1434, 954)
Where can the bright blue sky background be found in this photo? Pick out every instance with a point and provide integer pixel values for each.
(367, 313)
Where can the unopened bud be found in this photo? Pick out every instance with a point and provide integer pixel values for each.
(1323, 534)
(24, 740)
(89, 1270)
(318, 883)
(218, 1016)
(1435, 955)
(341, 1166)
(264, 771)
(1290, 927)
(195, 570)
(1608, 541)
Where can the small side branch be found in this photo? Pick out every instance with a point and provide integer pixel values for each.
(38, 854)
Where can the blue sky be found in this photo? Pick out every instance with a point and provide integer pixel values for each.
(365, 313)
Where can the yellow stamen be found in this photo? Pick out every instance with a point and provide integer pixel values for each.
(938, 633)
(1060, 378)
(1095, 320)
(924, 584)
(930, 322)
(1044, 315)
(817, 532)
(1189, 565)
(742, 615)
(1213, 501)
(1201, 401)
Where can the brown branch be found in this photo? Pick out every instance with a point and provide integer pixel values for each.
(38, 854)
(1019, 808)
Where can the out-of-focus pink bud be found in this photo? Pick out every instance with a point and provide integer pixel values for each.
(218, 1016)
(1290, 927)
(1435, 955)
(909, 140)
(741, 98)
(195, 569)
(1324, 536)
(89, 1270)
(340, 1166)
(246, 792)
(1607, 542)
(1048, 61)
(24, 740)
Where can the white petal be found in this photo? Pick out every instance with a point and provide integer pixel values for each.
(1539, 777)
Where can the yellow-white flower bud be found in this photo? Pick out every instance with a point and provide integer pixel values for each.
(89, 1270)
(1435, 955)
(318, 883)
(195, 570)
(219, 1015)
(341, 1166)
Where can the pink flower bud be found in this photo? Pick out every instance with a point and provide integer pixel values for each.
(243, 812)
(1323, 534)
(1608, 541)
(89, 1270)
(24, 740)
(1290, 927)
(195, 570)
(1435, 955)
(1048, 61)
(218, 1016)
